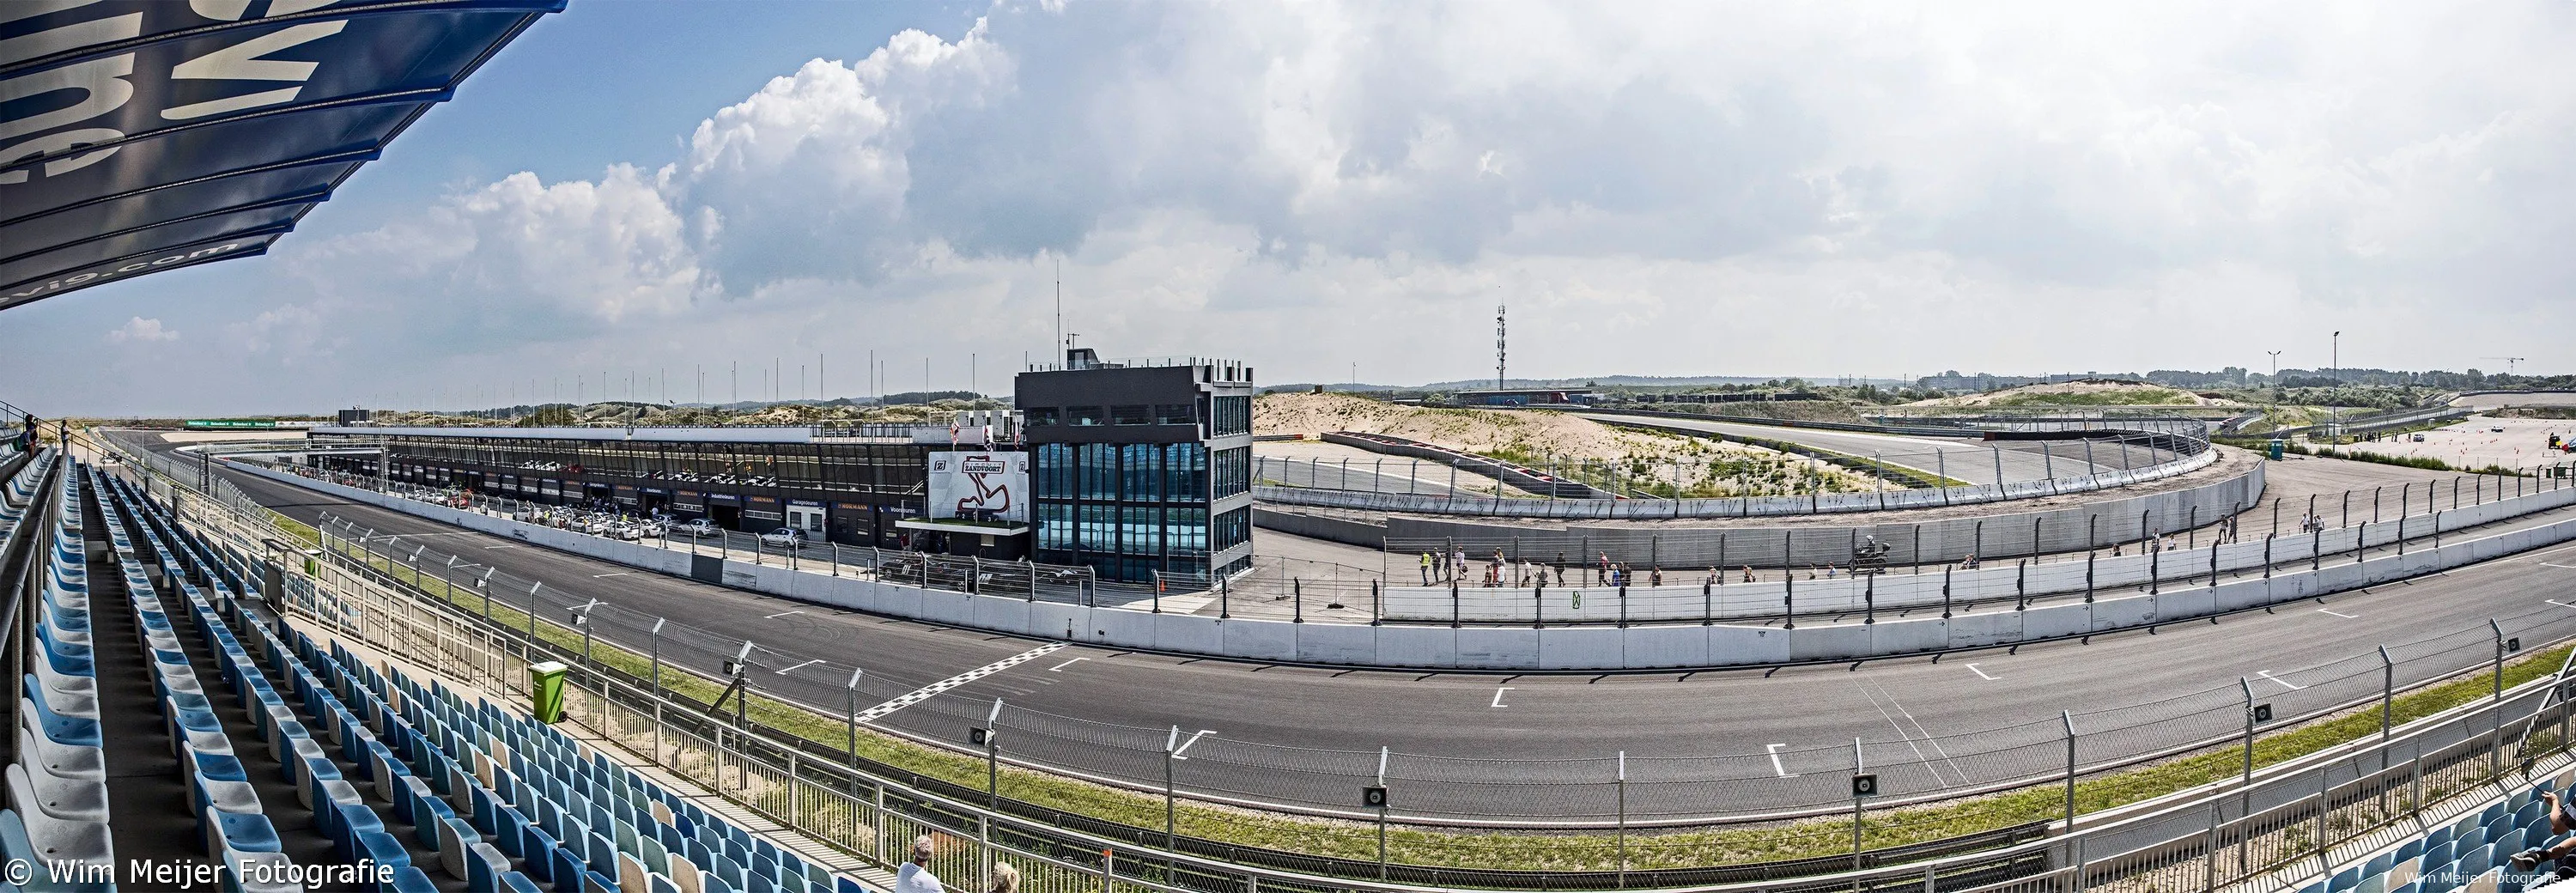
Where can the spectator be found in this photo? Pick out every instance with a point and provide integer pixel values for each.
(2561, 821)
(1005, 878)
(915, 876)
(1748, 573)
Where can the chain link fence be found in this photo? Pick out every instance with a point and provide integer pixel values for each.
(2289, 820)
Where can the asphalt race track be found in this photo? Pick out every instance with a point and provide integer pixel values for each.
(1784, 736)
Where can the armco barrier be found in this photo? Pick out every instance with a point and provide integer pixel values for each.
(2071, 529)
(1498, 648)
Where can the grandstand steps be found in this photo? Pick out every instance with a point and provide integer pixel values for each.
(143, 778)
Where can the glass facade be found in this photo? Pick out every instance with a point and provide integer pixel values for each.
(1139, 468)
(1122, 508)
(1229, 415)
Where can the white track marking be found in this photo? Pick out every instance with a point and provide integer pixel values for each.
(1185, 744)
(1911, 742)
(781, 614)
(1981, 674)
(1059, 668)
(1498, 696)
(617, 574)
(2338, 614)
(503, 546)
(925, 693)
(2558, 566)
(2552, 601)
(2267, 674)
(800, 666)
(1776, 768)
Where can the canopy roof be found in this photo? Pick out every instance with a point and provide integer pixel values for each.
(138, 136)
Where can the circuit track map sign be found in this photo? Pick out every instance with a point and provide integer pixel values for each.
(984, 486)
(138, 136)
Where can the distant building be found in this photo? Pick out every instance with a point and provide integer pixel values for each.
(1981, 382)
(1142, 468)
(1526, 397)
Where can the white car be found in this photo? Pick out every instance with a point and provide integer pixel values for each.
(784, 537)
(699, 528)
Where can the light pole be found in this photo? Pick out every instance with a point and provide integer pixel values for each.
(2334, 413)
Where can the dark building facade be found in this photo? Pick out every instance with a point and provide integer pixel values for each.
(851, 486)
(1141, 470)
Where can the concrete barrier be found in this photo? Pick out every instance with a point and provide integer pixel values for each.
(1519, 648)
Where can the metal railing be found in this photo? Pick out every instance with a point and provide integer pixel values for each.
(2266, 827)
(1604, 791)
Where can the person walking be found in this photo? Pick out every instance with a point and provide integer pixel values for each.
(1426, 568)
(915, 876)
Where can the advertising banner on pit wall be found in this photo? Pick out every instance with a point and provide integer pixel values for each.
(980, 486)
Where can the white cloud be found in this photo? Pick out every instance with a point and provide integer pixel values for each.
(142, 331)
(1683, 188)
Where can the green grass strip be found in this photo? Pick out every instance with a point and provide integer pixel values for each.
(1585, 851)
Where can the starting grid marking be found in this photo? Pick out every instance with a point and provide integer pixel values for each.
(926, 692)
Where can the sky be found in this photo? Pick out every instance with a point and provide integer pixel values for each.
(689, 195)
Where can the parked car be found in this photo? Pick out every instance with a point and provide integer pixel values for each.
(2419, 437)
(784, 537)
(699, 528)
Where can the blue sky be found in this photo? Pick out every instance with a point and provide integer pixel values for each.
(1880, 189)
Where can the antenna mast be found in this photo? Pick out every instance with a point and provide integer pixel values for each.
(1059, 308)
(1498, 346)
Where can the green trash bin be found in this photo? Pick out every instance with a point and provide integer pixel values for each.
(546, 680)
(2277, 447)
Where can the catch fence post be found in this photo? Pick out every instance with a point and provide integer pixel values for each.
(1858, 766)
(1789, 601)
(2068, 716)
(1623, 819)
(1171, 747)
(1382, 753)
(2495, 708)
(2021, 586)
